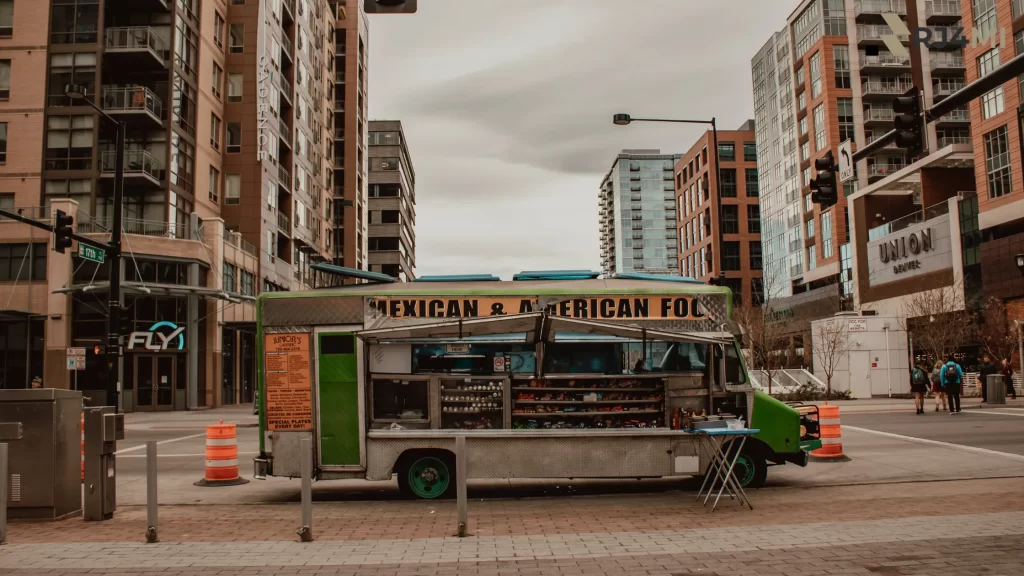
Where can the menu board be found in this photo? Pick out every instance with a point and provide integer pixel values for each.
(289, 392)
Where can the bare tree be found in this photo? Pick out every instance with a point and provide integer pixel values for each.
(996, 332)
(764, 338)
(938, 320)
(830, 343)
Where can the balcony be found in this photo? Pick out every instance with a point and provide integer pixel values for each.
(904, 222)
(874, 33)
(138, 46)
(286, 88)
(879, 171)
(286, 51)
(284, 135)
(941, 36)
(134, 104)
(886, 89)
(960, 116)
(950, 140)
(140, 167)
(884, 61)
(941, 11)
(879, 7)
(288, 11)
(944, 89)
(945, 62)
(143, 5)
(284, 224)
(876, 115)
(284, 177)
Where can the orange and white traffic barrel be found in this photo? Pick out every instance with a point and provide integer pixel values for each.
(83, 447)
(221, 456)
(831, 435)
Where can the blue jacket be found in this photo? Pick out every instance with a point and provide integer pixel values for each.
(959, 374)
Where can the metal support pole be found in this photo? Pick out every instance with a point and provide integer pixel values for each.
(3, 492)
(717, 221)
(460, 487)
(888, 367)
(306, 530)
(151, 498)
(113, 351)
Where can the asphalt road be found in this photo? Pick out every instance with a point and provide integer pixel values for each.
(999, 429)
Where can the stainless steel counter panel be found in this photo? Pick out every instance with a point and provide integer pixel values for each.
(620, 453)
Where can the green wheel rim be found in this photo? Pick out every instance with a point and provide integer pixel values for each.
(744, 470)
(429, 477)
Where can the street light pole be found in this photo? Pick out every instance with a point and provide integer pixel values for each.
(113, 352)
(626, 119)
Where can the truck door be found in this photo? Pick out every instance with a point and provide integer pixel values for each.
(338, 399)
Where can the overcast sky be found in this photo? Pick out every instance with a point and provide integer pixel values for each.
(507, 110)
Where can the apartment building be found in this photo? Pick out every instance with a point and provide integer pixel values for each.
(392, 201)
(228, 97)
(720, 213)
(350, 242)
(637, 214)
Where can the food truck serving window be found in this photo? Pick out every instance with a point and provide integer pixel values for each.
(401, 399)
(581, 353)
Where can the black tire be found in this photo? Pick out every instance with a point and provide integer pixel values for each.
(751, 467)
(426, 475)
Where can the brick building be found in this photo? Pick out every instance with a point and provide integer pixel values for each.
(713, 243)
(392, 201)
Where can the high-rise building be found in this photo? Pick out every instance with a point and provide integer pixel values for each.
(351, 40)
(637, 206)
(232, 98)
(721, 238)
(392, 205)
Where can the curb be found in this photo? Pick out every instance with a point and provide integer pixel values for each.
(218, 483)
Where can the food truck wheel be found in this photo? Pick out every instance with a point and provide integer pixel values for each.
(427, 475)
(751, 469)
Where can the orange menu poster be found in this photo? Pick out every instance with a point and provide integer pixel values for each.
(288, 378)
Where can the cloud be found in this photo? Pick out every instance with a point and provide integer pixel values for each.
(507, 110)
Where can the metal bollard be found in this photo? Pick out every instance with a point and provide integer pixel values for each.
(3, 492)
(306, 531)
(151, 498)
(460, 486)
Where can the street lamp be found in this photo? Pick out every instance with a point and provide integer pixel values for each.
(625, 120)
(79, 94)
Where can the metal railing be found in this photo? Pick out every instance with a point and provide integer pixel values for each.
(886, 59)
(135, 38)
(883, 170)
(284, 131)
(904, 222)
(40, 213)
(286, 86)
(284, 177)
(286, 49)
(135, 162)
(877, 32)
(956, 116)
(942, 60)
(942, 8)
(132, 99)
(879, 114)
(946, 88)
(137, 226)
(950, 140)
(880, 7)
(886, 88)
(284, 223)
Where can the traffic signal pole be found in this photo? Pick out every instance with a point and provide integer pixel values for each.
(113, 350)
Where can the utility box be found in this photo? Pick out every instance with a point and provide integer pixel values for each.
(44, 466)
(103, 428)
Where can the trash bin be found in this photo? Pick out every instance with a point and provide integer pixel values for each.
(45, 465)
(995, 390)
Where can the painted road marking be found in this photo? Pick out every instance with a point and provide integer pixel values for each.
(997, 412)
(199, 455)
(960, 447)
(143, 446)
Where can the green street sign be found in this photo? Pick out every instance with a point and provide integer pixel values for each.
(91, 253)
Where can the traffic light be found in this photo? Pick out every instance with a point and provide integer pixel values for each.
(62, 231)
(389, 6)
(908, 121)
(824, 191)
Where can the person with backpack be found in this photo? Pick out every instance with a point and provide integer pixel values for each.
(940, 394)
(951, 379)
(919, 386)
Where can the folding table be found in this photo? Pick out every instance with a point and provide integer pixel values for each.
(713, 442)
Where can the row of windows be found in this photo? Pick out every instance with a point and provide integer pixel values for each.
(727, 152)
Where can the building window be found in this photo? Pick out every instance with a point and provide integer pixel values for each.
(756, 291)
(215, 125)
(232, 188)
(997, 162)
(810, 228)
(819, 127)
(247, 283)
(727, 182)
(234, 137)
(992, 101)
(731, 256)
(186, 51)
(753, 218)
(184, 105)
(218, 29)
(841, 57)
(756, 260)
(379, 164)
(807, 176)
(730, 219)
(234, 88)
(217, 79)
(73, 22)
(805, 152)
(214, 185)
(826, 235)
(14, 262)
(846, 129)
(236, 39)
(751, 183)
(5, 79)
(815, 65)
(803, 126)
(69, 141)
(984, 13)
(6, 18)
(749, 152)
(183, 157)
(812, 259)
(230, 280)
(727, 151)
(78, 68)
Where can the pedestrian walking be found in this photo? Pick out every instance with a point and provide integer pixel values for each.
(919, 385)
(952, 377)
(987, 368)
(1008, 377)
(937, 389)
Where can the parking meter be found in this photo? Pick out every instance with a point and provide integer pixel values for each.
(103, 428)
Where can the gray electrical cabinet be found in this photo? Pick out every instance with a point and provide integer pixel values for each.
(103, 428)
(44, 466)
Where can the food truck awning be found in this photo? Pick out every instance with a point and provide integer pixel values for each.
(533, 327)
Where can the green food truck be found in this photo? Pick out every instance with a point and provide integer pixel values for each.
(550, 375)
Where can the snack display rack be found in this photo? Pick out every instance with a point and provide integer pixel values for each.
(588, 401)
(473, 404)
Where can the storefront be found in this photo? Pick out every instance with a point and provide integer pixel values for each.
(238, 363)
